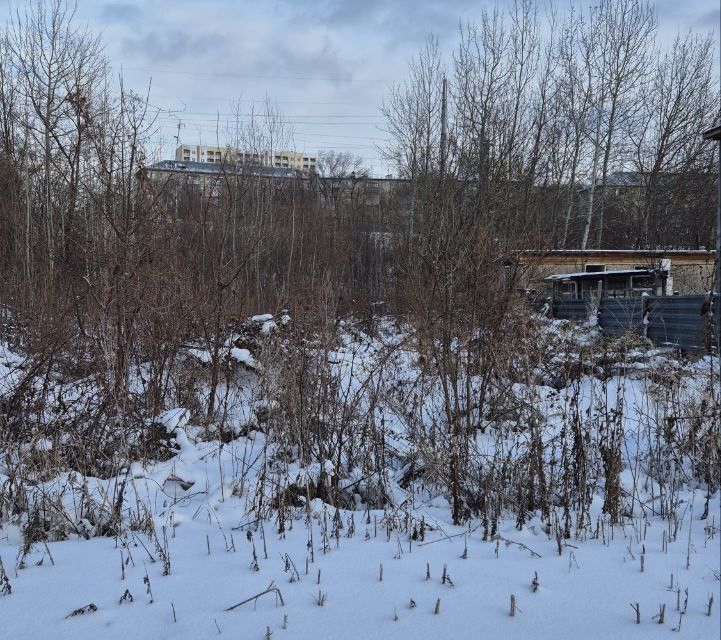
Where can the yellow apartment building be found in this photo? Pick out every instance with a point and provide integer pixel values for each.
(216, 155)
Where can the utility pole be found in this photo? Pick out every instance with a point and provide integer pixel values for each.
(444, 125)
(715, 134)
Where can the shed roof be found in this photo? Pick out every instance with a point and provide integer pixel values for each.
(619, 252)
(211, 168)
(598, 275)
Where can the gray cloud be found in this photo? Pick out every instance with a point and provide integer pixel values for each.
(397, 20)
(167, 45)
(401, 14)
(685, 15)
(708, 20)
(120, 12)
(201, 54)
(320, 59)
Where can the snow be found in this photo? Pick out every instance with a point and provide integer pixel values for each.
(201, 354)
(268, 327)
(192, 517)
(585, 593)
(10, 363)
(174, 419)
(241, 355)
(43, 444)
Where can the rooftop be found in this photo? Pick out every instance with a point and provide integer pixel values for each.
(621, 252)
(598, 275)
(176, 166)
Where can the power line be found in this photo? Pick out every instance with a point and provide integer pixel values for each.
(360, 127)
(327, 144)
(180, 112)
(213, 121)
(333, 135)
(262, 100)
(297, 132)
(222, 74)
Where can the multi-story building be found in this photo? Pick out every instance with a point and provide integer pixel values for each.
(294, 160)
(217, 155)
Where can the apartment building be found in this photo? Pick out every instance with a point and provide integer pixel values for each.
(217, 155)
(294, 160)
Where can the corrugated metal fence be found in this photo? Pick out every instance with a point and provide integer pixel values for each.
(576, 310)
(682, 322)
(617, 316)
(679, 321)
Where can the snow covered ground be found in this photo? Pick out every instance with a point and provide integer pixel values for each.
(190, 547)
(584, 593)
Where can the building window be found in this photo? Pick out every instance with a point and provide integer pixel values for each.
(616, 285)
(567, 290)
(595, 268)
(644, 282)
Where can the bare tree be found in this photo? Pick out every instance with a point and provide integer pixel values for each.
(413, 120)
(55, 61)
(668, 153)
(615, 55)
(338, 177)
(574, 94)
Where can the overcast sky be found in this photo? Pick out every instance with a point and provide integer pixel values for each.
(327, 63)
